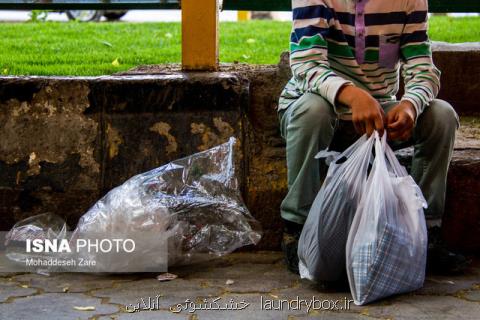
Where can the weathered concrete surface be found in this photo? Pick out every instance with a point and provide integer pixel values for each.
(468, 135)
(254, 278)
(66, 141)
(49, 148)
(266, 169)
(462, 209)
(149, 121)
(460, 66)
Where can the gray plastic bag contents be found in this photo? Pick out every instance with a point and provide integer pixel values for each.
(321, 247)
(186, 211)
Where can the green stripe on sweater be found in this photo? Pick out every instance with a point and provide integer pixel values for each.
(307, 43)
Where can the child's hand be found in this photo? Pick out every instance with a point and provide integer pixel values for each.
(400, 121)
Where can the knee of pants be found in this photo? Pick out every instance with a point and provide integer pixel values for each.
(440, 118)
(312, 114)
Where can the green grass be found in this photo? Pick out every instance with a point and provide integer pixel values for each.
(56, 48)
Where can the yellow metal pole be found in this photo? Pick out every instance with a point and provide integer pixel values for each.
(199, 34)
(243, 15)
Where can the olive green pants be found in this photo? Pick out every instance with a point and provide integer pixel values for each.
(309, 125)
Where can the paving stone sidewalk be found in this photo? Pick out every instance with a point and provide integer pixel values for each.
(257, 279)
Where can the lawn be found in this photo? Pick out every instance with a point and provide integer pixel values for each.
(58, 48)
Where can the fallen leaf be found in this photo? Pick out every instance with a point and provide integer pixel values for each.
(24, 286)
(365, 312)
(106, 43)
(229, 282)
(440, 281)
(166, 276)
(43, 272)
(115, 63)
(87, 308)
(65, 289)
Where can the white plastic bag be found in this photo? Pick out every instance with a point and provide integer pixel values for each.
(321, 247)
(387, 243)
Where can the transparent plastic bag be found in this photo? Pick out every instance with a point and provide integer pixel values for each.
(387, 243)
(46, 226)
(321, 247)
(186, 211)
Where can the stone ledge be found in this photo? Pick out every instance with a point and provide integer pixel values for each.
(438, 46)
(460, 66)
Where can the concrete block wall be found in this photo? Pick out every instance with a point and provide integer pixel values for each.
(66, 141)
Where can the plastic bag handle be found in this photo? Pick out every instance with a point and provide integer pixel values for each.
(398, 169)
(331, 157)
(380, 148)
(347, 153)
(395, 165)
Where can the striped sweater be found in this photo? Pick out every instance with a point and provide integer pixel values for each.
(361, 42)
